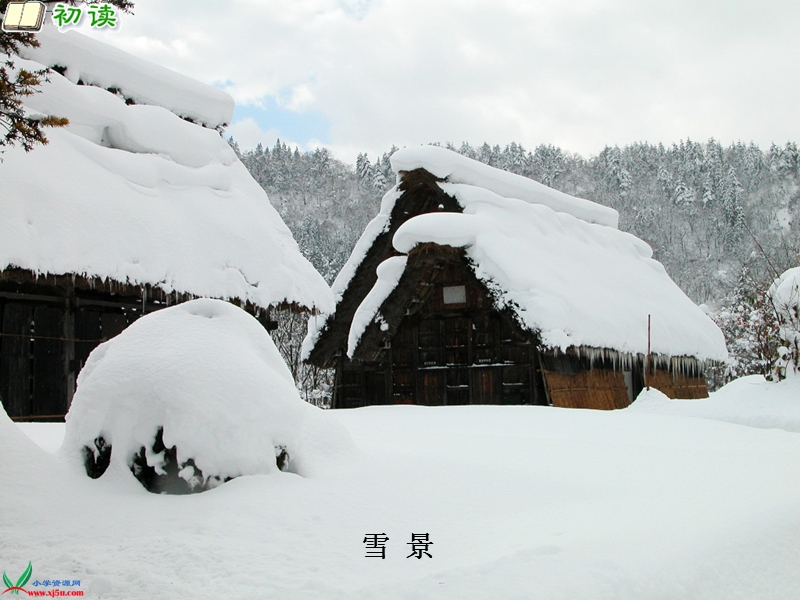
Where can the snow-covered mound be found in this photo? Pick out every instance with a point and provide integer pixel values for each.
(94, 63)
(208, 374)
(750, 400)
(456, 168)
(136, 194)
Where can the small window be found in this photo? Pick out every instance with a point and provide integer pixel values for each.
(455, 294)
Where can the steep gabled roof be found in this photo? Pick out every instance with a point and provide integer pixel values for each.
(136, 194)
(420, 193)
(574, 283)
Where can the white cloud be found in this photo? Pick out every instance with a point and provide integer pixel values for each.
(248, 134)
(579, 74)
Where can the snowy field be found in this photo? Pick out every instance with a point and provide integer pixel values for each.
(666, 499)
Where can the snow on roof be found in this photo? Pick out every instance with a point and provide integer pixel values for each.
(576, 283)
(389, 273)
(135, 194)
(95, 63)
(374, 228)
(559, 262)
(456, 168)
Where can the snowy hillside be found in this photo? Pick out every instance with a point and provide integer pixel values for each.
(135, 193)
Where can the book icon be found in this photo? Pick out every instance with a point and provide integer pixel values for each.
(24, 16)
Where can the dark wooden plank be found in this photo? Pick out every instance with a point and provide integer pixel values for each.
(431, 357)
(458, 386)
(49, 382)
(15, 359)
(431, 387)
(375, 386)
(113, 324)
(88, 330)
(486, 386)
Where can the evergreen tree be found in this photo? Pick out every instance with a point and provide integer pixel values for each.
(363, 168)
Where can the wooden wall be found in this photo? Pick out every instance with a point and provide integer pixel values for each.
(49, 324)
(679, 385)
(448, 353)
(43, 345)
(596, 388)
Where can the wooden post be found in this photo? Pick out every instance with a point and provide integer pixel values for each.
(647, 359)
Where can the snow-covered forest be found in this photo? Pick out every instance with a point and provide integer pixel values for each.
(724, 221)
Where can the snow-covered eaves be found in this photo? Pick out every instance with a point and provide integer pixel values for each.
(455, 168)
(576, 284)
(94, 63)
(135, 194)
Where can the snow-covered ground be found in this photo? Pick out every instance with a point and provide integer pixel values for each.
(649, 502)
(749, 401)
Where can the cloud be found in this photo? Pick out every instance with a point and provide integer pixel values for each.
(285, 118)
(580, 74)
(248, 134)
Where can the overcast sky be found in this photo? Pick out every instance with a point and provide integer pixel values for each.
(361, 75)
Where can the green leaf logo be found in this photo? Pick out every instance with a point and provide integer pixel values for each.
(24, 578)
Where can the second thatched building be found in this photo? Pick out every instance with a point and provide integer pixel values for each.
(477, 286)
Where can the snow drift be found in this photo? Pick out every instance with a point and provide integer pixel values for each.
(750, 400)
(207, 374)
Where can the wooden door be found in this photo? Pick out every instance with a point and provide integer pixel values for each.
(485, 383)
(15, 359)
(49, 368)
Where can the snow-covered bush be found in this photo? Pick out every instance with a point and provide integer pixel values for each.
(191, 396)
(784, 294)
(747, 319)
(315, 384)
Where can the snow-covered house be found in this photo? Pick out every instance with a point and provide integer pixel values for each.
(477, 286)
(139, 203)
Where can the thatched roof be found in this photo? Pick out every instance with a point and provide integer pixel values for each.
(136, 194)
(573, 283)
